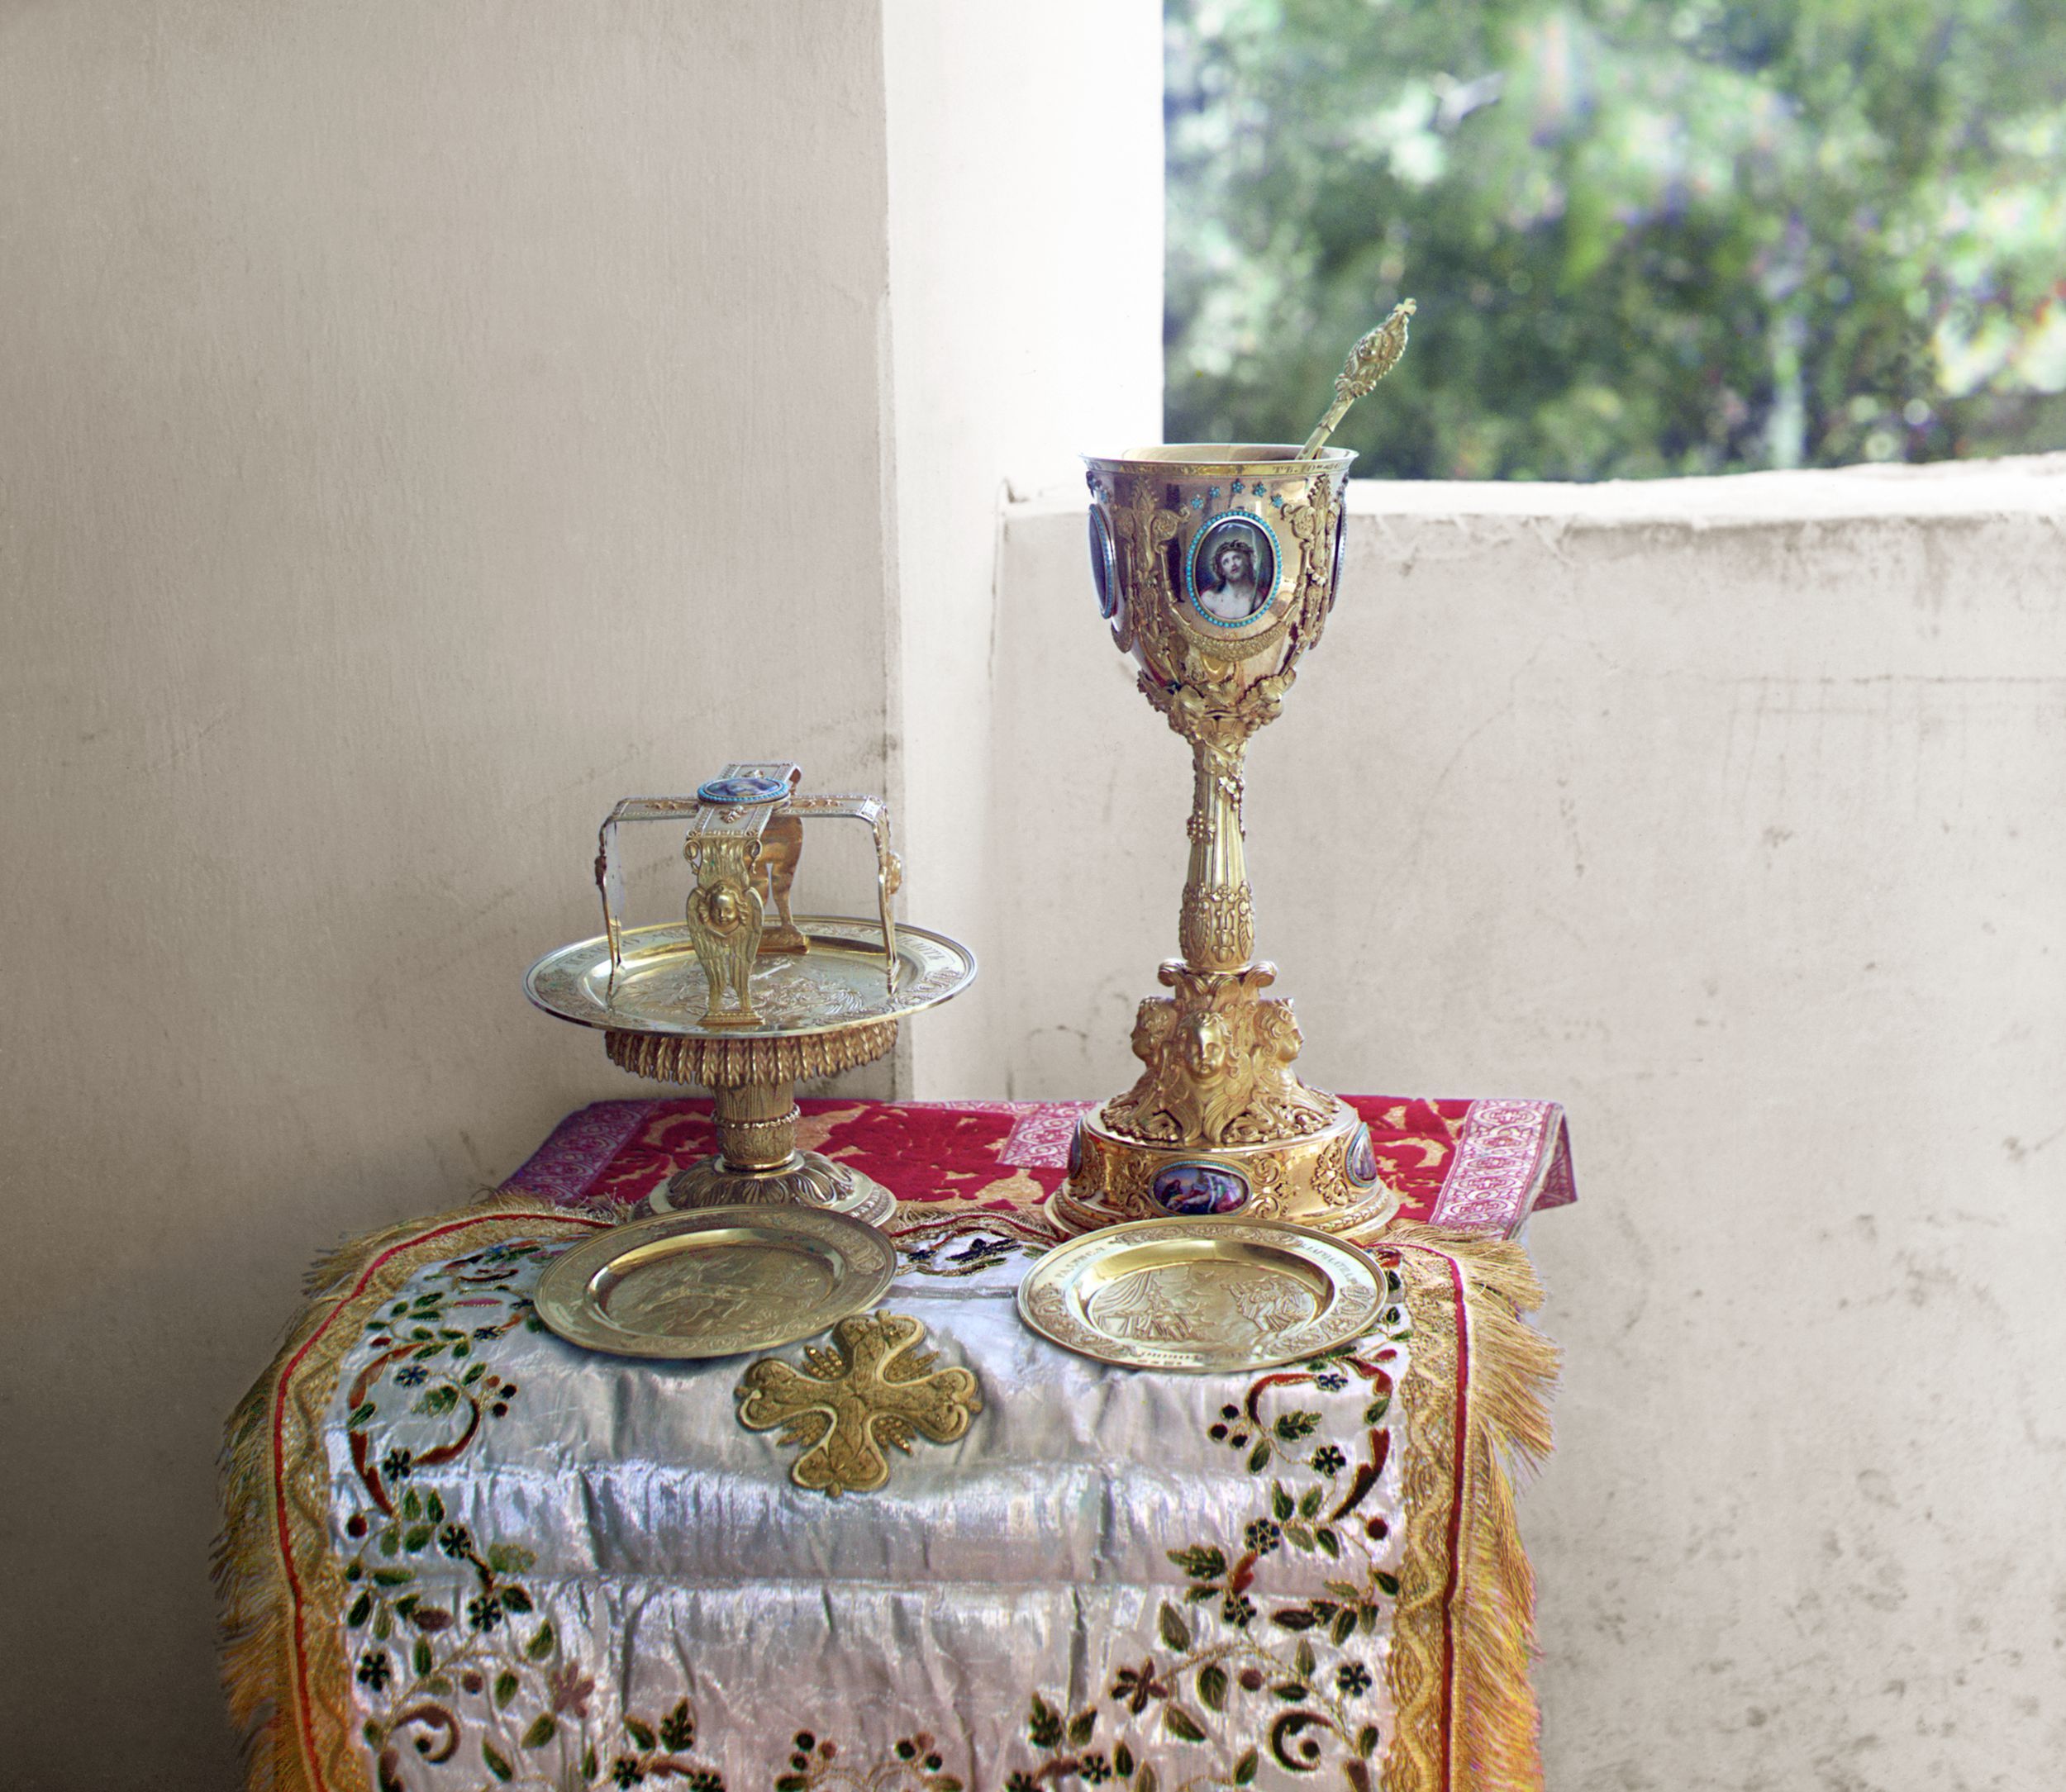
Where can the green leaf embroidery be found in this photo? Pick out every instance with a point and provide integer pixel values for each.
(1344, 1590)
(509, 1558)
(417, 1539)
(1199, 1562)
(1145, 1779)
(1344, 1625)
(1374, 1412)
(543, 1729)
(441, 1399)
(1280, 1502)
(1245, 1768)
(1305, 1660)
(505, 1689)
(1175, 1632)
(361, 1610)
(514, 1598)
(1388, 1584)
(1290, 1427)
(1043, 1724)
(434, 1508)
(1212, 1687)
(360, 1415)
(497, 1765)
(1298, 1534)
(420, 1656)
(1259, 1458)
(394, 1576)
(1080, 1727)
(539, 1646)
(1367, 1741)
(588, 1762)
(1309, 1502)
(413, 1505)
(1181, 1724)
(1328, 1541)
(678, 1728)
(640, 1734)
(1122, 1760)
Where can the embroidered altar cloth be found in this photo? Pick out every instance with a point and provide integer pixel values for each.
(462, 1553)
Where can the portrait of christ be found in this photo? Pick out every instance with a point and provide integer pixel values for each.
(1233, 570)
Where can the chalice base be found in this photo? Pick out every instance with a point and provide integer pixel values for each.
(807, 1179)
(1305, 1179)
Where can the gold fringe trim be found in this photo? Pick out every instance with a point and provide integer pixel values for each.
(1459, 1669)
(255, 1581)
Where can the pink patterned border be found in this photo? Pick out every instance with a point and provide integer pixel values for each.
(564, 1168)
(1509, 1158)
(1512, 1158)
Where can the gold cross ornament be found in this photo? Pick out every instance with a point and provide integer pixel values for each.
(875, 1387)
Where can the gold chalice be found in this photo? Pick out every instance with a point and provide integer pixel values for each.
(1216, 565)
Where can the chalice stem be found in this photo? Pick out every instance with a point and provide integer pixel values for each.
(1217, 929)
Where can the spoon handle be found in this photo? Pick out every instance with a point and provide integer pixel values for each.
(1368, 361)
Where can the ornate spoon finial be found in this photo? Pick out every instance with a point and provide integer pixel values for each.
(1368, 361)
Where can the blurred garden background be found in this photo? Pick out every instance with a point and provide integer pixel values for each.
(1646, 238)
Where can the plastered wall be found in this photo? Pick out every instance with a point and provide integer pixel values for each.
(401, 419)
(1729, 813)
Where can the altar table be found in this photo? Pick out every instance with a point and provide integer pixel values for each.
(460, 1553)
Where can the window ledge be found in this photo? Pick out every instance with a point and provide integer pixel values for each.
(2024, 485)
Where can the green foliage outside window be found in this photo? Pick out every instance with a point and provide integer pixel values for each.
(1646, 238)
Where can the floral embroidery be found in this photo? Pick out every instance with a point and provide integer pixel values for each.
(1240, 1672)
(483, 1667)
(915, 1764)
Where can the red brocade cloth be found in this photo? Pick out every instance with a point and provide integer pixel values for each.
(1476, 1166)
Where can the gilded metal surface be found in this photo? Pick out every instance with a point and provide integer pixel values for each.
(1304, 1180)
(724, 913)
(875, 1386)
(716, 1282)
(724, 1063)
(1218, 1064)
(805, 1178)
(743, 840)
(1368, 361)
(662, 989)
(1202, 1294)
(1225, 557)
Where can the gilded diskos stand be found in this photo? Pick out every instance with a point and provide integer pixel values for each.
(744, 998)
(1216, 565)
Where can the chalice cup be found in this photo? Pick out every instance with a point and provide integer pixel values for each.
(1216, 566)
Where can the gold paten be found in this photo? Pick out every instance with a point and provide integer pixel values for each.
(742, 996)
(1202, 1294)
(1184, 537)
(875, 1387)
(715, 1283)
